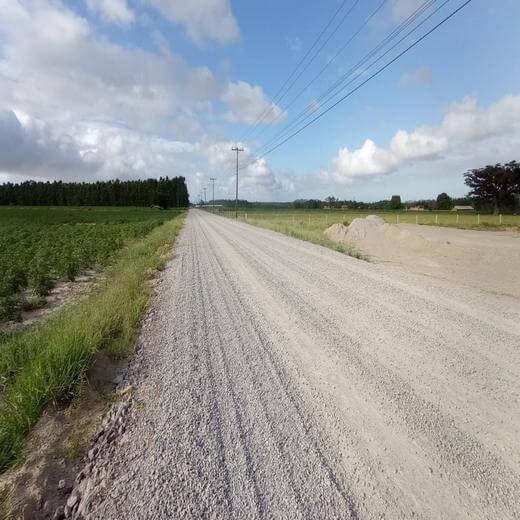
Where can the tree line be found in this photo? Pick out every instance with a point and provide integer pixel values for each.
(163, 192)
(494, 188)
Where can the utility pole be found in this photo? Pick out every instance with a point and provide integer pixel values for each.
(212, 179)
(236, 149)
(205, 200)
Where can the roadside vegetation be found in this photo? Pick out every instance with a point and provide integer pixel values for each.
(40, 246)
(309, 224)
(47, 364)
(305, 225)
(493, 203)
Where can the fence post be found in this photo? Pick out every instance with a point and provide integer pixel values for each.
(457, 218)
(436, 218)
(417, 219)
(500, 219)
(397, 218)
(478, 219)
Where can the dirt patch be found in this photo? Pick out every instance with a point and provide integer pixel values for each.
(61, 294)
(482, 259)
(56, 447)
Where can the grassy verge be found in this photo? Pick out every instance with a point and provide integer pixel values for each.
(321, 219)
(46, 365)
(301, 227)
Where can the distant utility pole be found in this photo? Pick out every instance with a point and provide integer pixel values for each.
(236, 149)
(205, 200)
(212, 179)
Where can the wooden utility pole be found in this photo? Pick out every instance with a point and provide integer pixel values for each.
(213, 179)
(236, 149)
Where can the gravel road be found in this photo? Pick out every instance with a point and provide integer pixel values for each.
(279, 379)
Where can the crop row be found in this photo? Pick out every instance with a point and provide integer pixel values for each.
(39, 247)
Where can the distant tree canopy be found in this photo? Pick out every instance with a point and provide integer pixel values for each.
(164, 192)
(495, 184)
(444, 201)
(308, 204)
(395, 202)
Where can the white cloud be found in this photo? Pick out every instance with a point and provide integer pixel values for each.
(257, 179)
(247, 103)
(202, 19)
(466, 130)
(63, 69)
(75, 105)
(115, 11)
(418, 77)
(33, 148)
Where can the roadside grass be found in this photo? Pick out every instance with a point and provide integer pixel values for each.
(47, 365)
(298, 226)
(310, 224)
(320, 219)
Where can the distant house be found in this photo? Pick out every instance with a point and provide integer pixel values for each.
(462, 208)
(416, 208)
(344, 206)
(326, 206)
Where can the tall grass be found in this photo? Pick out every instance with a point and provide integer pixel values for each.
(295, 219)
(299, 225)
(46, 365)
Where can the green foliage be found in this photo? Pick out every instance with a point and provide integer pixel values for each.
(39, 246)
(444, 202)
(495, 184)
(165, 192)
(48, 364)
(395, 202)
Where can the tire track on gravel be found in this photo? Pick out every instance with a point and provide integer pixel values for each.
(284, 380)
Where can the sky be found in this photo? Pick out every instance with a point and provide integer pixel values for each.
(98, 89)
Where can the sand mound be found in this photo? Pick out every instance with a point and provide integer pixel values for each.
(477, 258)
(337, 233)
(361, 227)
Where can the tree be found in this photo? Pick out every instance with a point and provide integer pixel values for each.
(171, 193)
(331, 201)
(496, 184)
(395, 202)
(444, 201)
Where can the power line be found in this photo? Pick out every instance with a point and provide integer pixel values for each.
(329, 62)
(307, 113)
(275, 98)
(270, 108)
(375, 74)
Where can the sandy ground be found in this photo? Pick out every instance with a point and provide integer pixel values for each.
(486, 260)
(280, 379)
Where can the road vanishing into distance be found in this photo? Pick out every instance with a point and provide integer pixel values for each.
(280, 379)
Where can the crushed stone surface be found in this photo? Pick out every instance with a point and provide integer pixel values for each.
(279, 379)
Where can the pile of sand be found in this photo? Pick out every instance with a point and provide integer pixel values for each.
(482, 259)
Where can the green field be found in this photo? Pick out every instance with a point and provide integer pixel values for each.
(309, 224)
(42, 245)
(48, 363)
